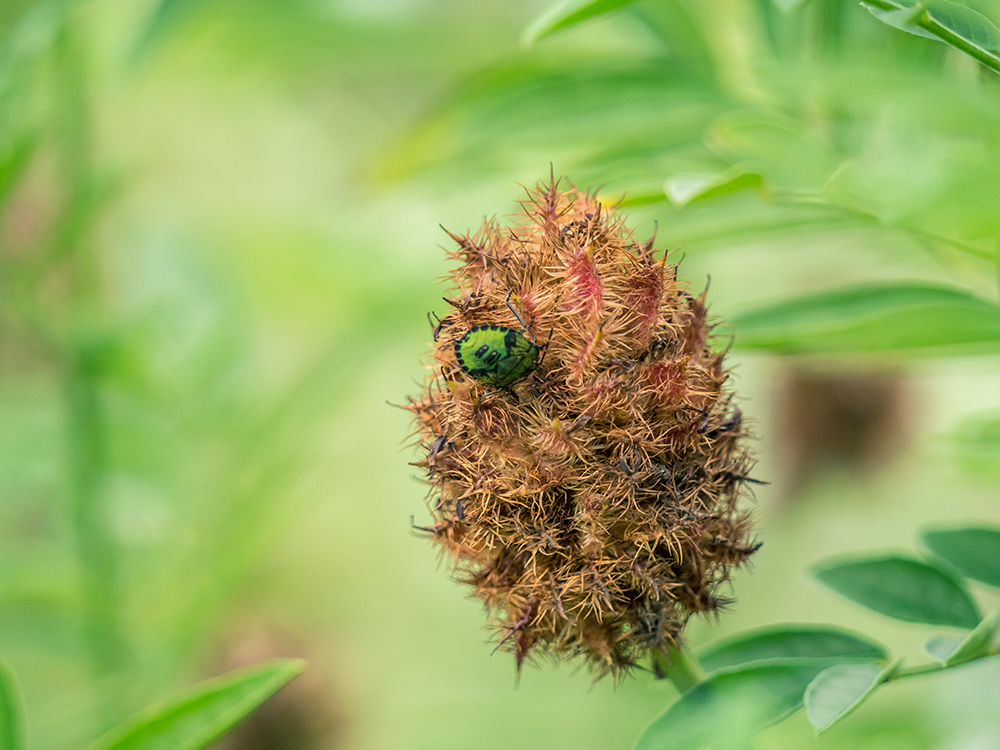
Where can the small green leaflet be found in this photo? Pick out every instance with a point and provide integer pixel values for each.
(730, 705)
(792, 641)
(951, 651)
(903, 588)
(955, 25)
(974, 551)
(839, 690)
(194, 719)
(682, 189)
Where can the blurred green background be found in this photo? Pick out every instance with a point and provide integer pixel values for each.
(219, 241)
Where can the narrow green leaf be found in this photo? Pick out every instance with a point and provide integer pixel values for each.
(906, 317)
(13, 161)
(951, 650)
(789, 641)
(12, 735)
(624, 108)
(903, 588)
(955, 25)
(566, 14)
(974, 551)
(775, 146)
(839, 690)
(168, 16)
(634, 198)
(786, 6)
(682, 189)
(730, 704)
(976, 447)
(203, 714)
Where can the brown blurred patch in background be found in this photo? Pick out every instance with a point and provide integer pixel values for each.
(851, 422)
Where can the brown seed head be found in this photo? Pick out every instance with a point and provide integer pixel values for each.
(592, 505)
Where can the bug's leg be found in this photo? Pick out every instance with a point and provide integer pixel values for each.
(531, 334)
(545, 347)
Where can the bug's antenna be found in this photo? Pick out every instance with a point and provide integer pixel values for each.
(435, 326)
(510, 293)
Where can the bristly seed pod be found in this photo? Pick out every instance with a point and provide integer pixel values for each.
(585, 459)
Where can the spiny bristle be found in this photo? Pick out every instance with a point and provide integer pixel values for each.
(593, 503)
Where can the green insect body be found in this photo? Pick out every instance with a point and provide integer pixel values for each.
(496, 355)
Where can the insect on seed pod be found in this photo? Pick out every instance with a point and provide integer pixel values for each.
(586, 487)
(497, 355)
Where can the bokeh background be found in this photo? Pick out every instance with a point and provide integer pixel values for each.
(219, 242)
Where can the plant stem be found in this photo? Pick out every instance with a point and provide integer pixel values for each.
(82, 366)
(935, 667)
(680, 667)
(94, 544)
(915, 671)
(996, 259)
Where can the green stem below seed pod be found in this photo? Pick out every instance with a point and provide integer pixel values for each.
(680, 667)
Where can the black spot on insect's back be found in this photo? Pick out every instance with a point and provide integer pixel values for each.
(494, 327)
(510, 340)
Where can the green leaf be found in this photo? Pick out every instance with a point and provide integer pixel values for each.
(729, 705)
(14, 160)
(839, 690)
(779, 148)
(786, 6)
(682, 189)
(166, 18)
(974, 551)
(625, 109)
(789, 641)
(203, 714)
(634, 198)
(900, 14)
(12, 735)
(952, 650)
(903, 588)
(941, 647)
(955, 25)
(566, 14)
(976, 446)
(906, 317)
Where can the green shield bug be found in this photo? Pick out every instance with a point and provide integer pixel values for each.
(497, 355)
